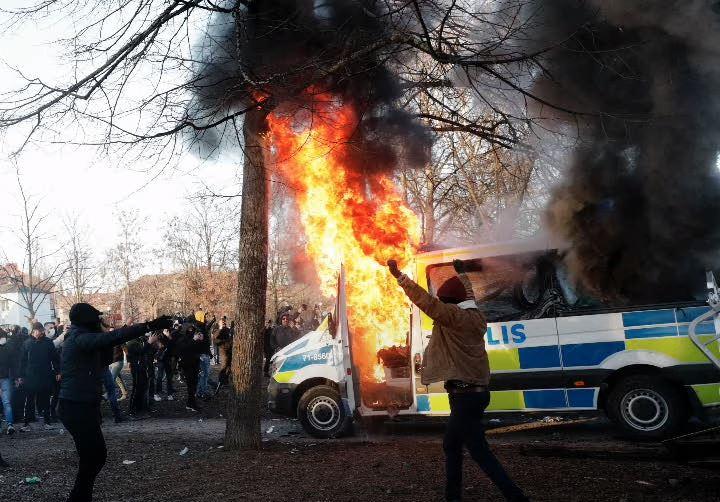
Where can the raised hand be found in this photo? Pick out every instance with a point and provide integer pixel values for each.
(394, 270)
(162, 322)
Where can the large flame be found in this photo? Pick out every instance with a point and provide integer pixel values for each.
(351, 215)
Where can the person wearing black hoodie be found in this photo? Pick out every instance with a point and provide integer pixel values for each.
(165, 360)
(39, 370)
(15, 343)
(84, 361)
(8, 374)
(137, 356)
(189, 346)
(223, 341)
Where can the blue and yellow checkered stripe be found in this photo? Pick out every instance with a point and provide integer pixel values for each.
(666, 331)
(663, 331)
(296, 362)
(515, 400)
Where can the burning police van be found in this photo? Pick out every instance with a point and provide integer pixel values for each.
(552, 348)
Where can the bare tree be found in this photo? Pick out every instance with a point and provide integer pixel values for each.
(140, 81)
(243, 424)
(83, 277)
(204, 236)
(39, 273)
(126, 259)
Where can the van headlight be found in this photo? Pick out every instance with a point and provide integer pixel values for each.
(275, 364)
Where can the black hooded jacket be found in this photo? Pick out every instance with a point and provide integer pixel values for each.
(39, 364)
(187, 349)
(84, 360)
(9, 356)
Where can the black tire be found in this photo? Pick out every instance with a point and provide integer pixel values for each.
(647, 407)
(322, 413)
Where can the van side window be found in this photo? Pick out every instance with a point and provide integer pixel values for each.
(575, 297)
(506, 288)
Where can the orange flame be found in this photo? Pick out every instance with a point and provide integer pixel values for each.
(352, 216)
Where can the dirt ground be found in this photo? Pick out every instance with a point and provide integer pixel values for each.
(570, 460)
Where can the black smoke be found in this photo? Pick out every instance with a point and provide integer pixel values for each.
(281, 48)
(640, 201)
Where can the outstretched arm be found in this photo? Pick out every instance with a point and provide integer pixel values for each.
(94, 341)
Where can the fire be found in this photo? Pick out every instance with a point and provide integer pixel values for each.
(350, 215)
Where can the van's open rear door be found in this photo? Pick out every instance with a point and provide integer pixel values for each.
(714, 314)
(350, 391)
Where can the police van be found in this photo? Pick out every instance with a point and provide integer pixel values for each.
(552, 348)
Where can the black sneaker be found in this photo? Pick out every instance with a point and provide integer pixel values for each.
(10, 430)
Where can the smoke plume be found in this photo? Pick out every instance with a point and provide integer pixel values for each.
(286, 49)
(641, 197)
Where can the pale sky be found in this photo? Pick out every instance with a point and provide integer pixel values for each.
(82, 180)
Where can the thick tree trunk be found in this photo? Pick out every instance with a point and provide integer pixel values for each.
(243, 422)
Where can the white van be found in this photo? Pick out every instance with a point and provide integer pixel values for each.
(551, 349)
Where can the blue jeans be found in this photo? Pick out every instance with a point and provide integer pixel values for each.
(6, 388)
(164, 371)
(109, 383)
(204, 374)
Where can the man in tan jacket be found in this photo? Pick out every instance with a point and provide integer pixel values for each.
(456, 355)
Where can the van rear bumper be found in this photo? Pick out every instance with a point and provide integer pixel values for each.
(280, 398)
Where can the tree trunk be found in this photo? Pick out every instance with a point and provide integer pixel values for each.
(244, 407)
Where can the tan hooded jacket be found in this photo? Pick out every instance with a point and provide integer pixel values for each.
(457, 346)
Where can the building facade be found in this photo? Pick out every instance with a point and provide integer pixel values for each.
(13, 309)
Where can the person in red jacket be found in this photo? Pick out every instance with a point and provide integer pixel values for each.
(456, 355)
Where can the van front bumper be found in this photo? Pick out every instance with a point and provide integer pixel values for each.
(280, 398)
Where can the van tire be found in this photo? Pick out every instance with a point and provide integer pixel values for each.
(322, 413)
(647, 407)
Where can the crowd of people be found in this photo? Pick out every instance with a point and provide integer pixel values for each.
(30, 364)
(290, 324)
(31, 370)
(59, 373)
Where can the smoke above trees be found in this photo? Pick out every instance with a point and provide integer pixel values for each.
(632, 81)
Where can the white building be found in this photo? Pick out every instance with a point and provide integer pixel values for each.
(14, 311)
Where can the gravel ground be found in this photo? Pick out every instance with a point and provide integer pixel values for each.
(568, 460)
(145, 464)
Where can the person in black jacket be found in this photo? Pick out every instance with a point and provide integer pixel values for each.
(165, 356)
(84, 363)
(189, 346)
(39, 370)
(268, 346)
(8, 374)
(205, 357)
(17, 401)
(139, 354)
(223, 342)
(283, 334)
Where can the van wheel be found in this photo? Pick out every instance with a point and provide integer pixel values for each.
(647, 407)
(322, 414)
